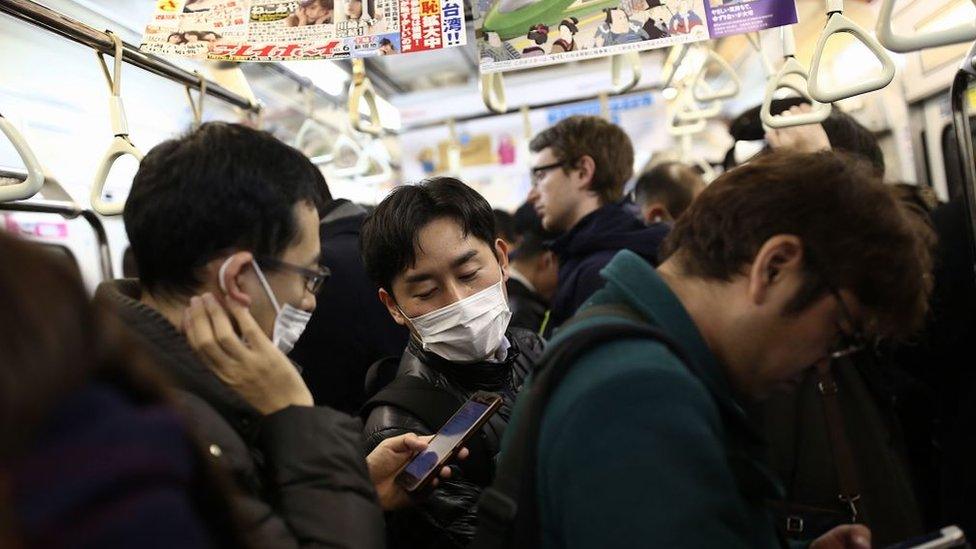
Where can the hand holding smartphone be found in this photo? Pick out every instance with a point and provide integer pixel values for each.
(464, 424)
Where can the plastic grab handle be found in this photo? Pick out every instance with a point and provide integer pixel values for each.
(362, 162)
(119, 147)
(384, 174)
(688, 112)
(838, 23)
(361, 88)
(493, 92)
(310, 127)
(731, 89)
(678, 130)
(819, 112)
(617, 62)
(35, 174)
(965, 32)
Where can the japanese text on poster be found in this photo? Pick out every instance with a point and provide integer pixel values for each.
(515, 34)
(277, 30)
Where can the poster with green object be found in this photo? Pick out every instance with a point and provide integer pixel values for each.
(519, 34)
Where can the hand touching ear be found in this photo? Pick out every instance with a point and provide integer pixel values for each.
(248, 363)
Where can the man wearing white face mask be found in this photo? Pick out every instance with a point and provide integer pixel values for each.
(223, 224)
(431, 249)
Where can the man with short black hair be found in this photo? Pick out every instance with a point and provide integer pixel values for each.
(580, 167)
(780, 265)
(433, 251)
(665, 191)
(223, 224)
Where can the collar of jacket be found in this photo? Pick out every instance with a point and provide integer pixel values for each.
(340, 208)
(562, 243)
(477, 376)
(172, 352)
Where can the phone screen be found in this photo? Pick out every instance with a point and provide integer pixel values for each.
(449, 437)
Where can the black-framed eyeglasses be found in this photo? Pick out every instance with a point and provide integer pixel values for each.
(538, 172)
(848, 343)
(314, 278)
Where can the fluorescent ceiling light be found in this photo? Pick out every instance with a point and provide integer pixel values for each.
(323, 74)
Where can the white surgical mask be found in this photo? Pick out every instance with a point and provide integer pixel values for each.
(289, 321)
(469, 330)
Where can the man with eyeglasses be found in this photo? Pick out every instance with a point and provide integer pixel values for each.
(780, 266)
(223, 223)
(580, 167)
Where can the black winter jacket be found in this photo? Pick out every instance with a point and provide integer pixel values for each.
(334, 352)
(528, 308)
(447, 518)
(301, 473)
(587, 248)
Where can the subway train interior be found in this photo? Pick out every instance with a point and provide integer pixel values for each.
(468, 101)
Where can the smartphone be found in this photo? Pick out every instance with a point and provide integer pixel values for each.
(950, 536)
(465, 423)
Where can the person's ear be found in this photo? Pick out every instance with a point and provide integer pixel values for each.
(586, 168)
(779, 257)
(391, 306)
(228, 276)
(501, 253)
(656, 213)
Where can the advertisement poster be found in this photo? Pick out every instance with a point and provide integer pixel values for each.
(742, 16)
(518, 34)
(269, 30)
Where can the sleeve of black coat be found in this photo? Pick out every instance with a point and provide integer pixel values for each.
(317, 478)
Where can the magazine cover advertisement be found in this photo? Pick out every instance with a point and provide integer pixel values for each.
(517, 34)
(263, 30)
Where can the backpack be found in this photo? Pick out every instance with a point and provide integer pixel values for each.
(508, 513)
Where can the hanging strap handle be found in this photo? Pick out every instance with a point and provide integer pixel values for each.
(34, 180)
(493, 92)
(310, 128)
(196, 106)
(688, 111)
(120, 146)
(791, 68)
(965, 32)
(731, 89)
(362, 88)
(840, 446)
(676, 56)
(362, 163)
(676, 129)
(120, 126)
(385, 172)
(617, 64)
(837, 23)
